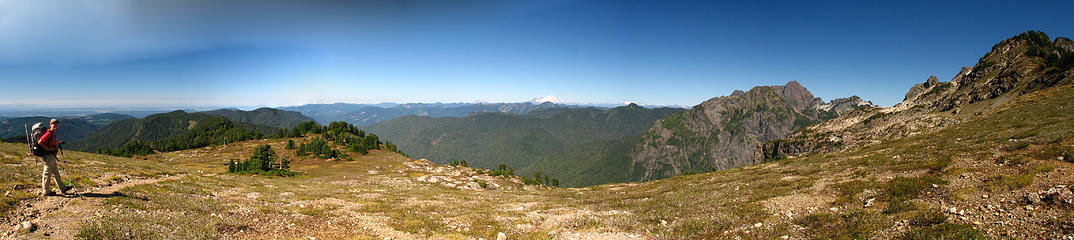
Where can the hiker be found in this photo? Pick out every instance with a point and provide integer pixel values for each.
(49, 143)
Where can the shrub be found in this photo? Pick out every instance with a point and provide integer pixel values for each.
(503, 170)
(900, 206)
(853, 225)
(904, 188)
(461, 163)
(1016, 160)
(927, 218)
(948, 231)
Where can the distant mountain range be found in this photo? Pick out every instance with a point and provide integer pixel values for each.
(365, 114)
(489, 139)
(9, 111)
(74, 127)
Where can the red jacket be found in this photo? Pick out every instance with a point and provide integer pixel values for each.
(49, 139)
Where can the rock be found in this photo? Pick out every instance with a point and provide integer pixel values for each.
(1032, 198)
(28, 226)
(757, 225)
(663, 223)
(473, 185)
(19, 187)
(501, 236)
(984, 196)
(952, 210)
(1060, 158)
(1058, 195)
(869, 202)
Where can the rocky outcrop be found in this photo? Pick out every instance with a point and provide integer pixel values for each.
(920, 88)
(1025, 63)
(843, 105)
(723, 132)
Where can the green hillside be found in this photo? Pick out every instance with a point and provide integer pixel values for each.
(592, 163)
(263, 116)
(489, 139)
(158, 127)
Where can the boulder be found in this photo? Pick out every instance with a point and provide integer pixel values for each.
(473, 185)
(1032, 198)
(28, 226)
(1058, 195)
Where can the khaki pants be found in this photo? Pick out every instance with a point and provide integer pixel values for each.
(50, 169)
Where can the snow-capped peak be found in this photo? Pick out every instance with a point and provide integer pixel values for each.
(549, 98)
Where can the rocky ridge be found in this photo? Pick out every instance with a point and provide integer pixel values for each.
(722, 132)
(1016, 66)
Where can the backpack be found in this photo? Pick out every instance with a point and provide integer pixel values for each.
(36, 133)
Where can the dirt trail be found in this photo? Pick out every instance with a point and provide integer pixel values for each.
(45, 215)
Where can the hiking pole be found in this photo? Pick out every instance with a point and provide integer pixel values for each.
(28, 143)
(62, 172)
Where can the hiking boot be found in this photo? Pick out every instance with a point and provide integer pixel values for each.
(48, 194)
(64, 189)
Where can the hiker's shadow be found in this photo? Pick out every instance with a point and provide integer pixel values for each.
(96, 195)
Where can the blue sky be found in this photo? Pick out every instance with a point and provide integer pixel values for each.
(242, 53)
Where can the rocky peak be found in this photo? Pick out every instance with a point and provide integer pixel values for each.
(920, 88)
(932, 81)
(795, 94)
(1064, 43)
(965, 71)
(737, 93)
(842, 105)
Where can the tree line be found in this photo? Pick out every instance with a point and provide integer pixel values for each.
(263, 161)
